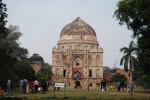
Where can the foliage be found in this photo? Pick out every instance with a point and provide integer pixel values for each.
(141, 80)
(108, 69)
(129, 60)
(24, 70)
(13, 58)
(44, 73)
(3, 15)
(118, 77)
(144, 55)
(135, 14)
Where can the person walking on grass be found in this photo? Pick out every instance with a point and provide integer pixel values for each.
(130, 86)
(118, 85)
(9, 91)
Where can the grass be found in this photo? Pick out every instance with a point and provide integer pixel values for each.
(82, 94)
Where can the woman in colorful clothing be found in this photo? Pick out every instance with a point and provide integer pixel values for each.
(36, 84)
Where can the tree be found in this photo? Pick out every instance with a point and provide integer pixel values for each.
(135, 14)
(3, 15)
(118, 77)
(44, 73)
(106, 69)
(13, 58)
(129, 60)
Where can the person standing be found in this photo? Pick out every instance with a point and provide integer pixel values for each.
(44, 86)
(130, 86)
(118, 85)
(24, 86)
(36, 84)
(104, 85)
(27, 86)
(31, 86)
(9, 91)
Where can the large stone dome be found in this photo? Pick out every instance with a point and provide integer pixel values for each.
(78, 27)
(78, 31)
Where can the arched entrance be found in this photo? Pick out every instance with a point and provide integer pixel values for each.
(77, 69)
(77, 75)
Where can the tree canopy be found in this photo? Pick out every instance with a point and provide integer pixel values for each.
(129, 60)
(118, 77)
(13, 58)
(135, 14)
(3, 16)
(44, 73)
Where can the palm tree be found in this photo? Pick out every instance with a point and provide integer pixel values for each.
(129, 59)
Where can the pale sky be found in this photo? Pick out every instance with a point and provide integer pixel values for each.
(41, 22)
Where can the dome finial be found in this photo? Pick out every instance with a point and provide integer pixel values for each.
(78, 19)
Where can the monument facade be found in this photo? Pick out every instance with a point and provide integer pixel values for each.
(77, 55)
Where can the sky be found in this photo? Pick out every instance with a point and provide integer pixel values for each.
(41, 22)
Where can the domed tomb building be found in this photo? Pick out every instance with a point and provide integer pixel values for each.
(36, 61)
(77, 55)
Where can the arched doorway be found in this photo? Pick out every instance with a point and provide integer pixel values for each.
(77, 75)
(77, 69)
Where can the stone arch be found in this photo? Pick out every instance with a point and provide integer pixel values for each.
(78, 62)
(77, 75)
(77, 66)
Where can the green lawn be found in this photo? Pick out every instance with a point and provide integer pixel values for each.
(93, 93)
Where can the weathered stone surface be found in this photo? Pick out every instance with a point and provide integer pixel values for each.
(78, 27)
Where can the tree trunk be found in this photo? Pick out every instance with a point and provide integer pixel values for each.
(130, 68)
(131, 73)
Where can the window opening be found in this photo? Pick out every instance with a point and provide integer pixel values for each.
(77, 64)
(90, 73)
(64, 73)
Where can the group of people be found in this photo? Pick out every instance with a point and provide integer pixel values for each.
(30, 86)
(77, 84)
(27, 86)
(119, 85)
